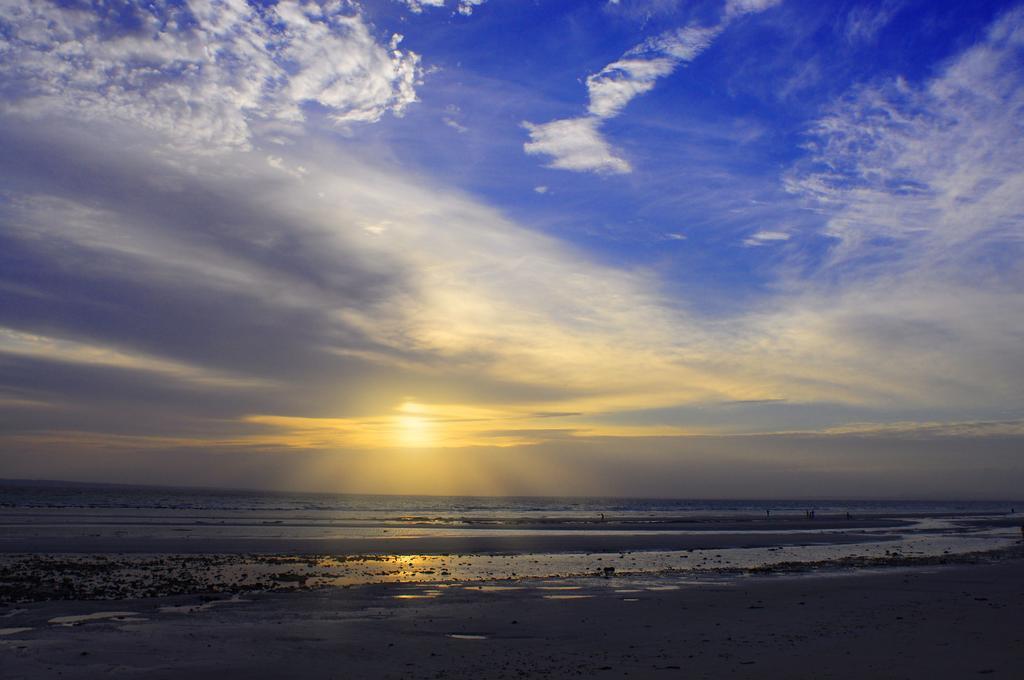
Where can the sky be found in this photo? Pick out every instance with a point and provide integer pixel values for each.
(682, 248)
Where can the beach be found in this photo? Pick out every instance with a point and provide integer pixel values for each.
(952, 621)
(147, 583)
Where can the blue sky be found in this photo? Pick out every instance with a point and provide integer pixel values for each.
(507, 246)
(708, 145)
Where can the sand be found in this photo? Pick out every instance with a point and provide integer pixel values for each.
(936, 622)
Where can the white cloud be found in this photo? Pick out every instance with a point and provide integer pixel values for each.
(918, 173)
(618, 83)
(682, 45)
(416, 6)
(736, 8)
(762, 238)
(466, 7)
(206, 74)
(574, 144)
(463, 7)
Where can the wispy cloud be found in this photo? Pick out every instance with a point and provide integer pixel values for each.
(969, 429)
(921, 193)
(925, 173)
(864, 22)
(301, 260)
(577, 143)
(762, 238)
(360, 277)
(455, 125)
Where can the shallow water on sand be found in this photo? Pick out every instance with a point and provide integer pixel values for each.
(116, 576)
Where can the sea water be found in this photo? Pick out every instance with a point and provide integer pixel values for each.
(66, 495)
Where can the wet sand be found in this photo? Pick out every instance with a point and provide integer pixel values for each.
(941, 622)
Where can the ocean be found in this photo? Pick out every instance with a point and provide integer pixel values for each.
(45, 494)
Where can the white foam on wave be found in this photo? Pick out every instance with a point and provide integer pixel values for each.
(566, 597)
(13, 631)
(193, 608)
(83, 618)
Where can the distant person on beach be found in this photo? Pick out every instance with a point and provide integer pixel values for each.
(602, 516)
(768, 514)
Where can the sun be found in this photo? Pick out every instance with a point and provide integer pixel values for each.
(413, 430)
